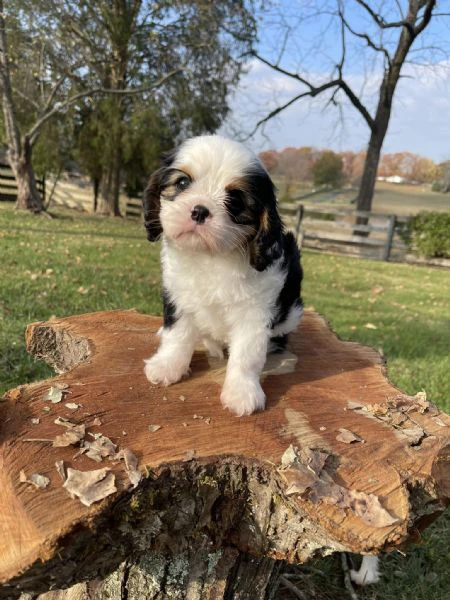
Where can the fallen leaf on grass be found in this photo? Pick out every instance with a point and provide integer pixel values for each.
(90, 486)
(370, 326)
(348, 437)
(38, 481)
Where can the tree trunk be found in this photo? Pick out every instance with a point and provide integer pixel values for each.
(192, 575)
(28, 197)
(108, 201)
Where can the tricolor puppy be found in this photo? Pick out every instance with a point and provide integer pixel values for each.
(231, 275)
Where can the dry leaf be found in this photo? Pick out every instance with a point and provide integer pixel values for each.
(90, 486)
(69, 438)
(59, 464)
(421, 402)
(100, 448)
(74, 434)
(153, 428)
(348, 437)
(439, 421)
(40, 482)
(182, 398)
(131, 463)
(72, 405)
(61, 386)
(414, 434)
(54, 395)
(35, 421)
(370, 326)
(96, 422)
(190, 454)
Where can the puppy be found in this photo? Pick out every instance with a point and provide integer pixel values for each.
(231, 274)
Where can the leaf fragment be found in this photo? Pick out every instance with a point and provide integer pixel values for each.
(40, 482)
(348, 437)
(153, 428)
(90, 486)
(131, 465)
(59, 464)
(54, 395)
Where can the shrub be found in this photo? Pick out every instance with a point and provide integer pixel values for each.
(328, 170)
(428, 233)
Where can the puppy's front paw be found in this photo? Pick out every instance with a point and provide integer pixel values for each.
(164, 370)
(242, 395)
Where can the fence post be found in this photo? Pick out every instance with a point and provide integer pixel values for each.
(301, 210)
(389, 237)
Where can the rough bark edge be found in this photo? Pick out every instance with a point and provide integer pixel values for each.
(194, 505)
(57, 346)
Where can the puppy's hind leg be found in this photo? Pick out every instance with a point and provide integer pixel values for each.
(174, 354)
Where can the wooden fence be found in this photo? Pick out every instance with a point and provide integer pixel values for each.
(8, 185)
(336, 229)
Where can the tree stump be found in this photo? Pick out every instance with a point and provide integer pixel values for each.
(339, 461)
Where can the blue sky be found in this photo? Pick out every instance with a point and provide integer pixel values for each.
(420, 121)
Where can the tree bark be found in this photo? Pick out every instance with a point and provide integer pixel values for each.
(192, 575)
(409, 33)
(19, 151)
(28, 197)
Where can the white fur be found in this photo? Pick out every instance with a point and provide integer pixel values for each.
(368, 571)
(221, 299)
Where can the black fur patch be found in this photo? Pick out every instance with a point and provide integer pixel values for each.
(279, 343)
(169, 309)
(289, 295)
(151, 200)
(267, 245)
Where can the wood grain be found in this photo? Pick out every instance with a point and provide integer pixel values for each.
(318, 387)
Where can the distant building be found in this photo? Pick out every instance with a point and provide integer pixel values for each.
(393, 179)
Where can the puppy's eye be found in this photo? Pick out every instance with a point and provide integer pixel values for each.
(182, 183)
(235, 201)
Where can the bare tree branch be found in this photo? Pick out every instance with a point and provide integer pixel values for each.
(381, 22)
(315, 91)
(365, 37)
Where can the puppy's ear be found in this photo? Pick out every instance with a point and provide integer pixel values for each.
(151, 199)
(267, 245)
(152, 205)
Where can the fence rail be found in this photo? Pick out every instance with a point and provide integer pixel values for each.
(337, 229)
(8, 184)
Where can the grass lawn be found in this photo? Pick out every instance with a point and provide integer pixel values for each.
(78, 263)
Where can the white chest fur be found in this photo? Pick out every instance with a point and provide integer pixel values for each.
(219, 291)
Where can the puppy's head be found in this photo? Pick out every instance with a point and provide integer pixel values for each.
(214, 195)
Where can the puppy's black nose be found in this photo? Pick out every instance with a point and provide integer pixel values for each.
(199, 213)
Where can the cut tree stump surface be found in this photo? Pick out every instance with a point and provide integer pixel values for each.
(339, 460)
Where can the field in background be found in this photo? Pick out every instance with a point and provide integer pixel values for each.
(79, 263)
(390, 198)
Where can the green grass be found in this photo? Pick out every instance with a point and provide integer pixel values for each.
(75, 264)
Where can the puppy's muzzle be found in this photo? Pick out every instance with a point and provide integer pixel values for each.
(199, 213)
